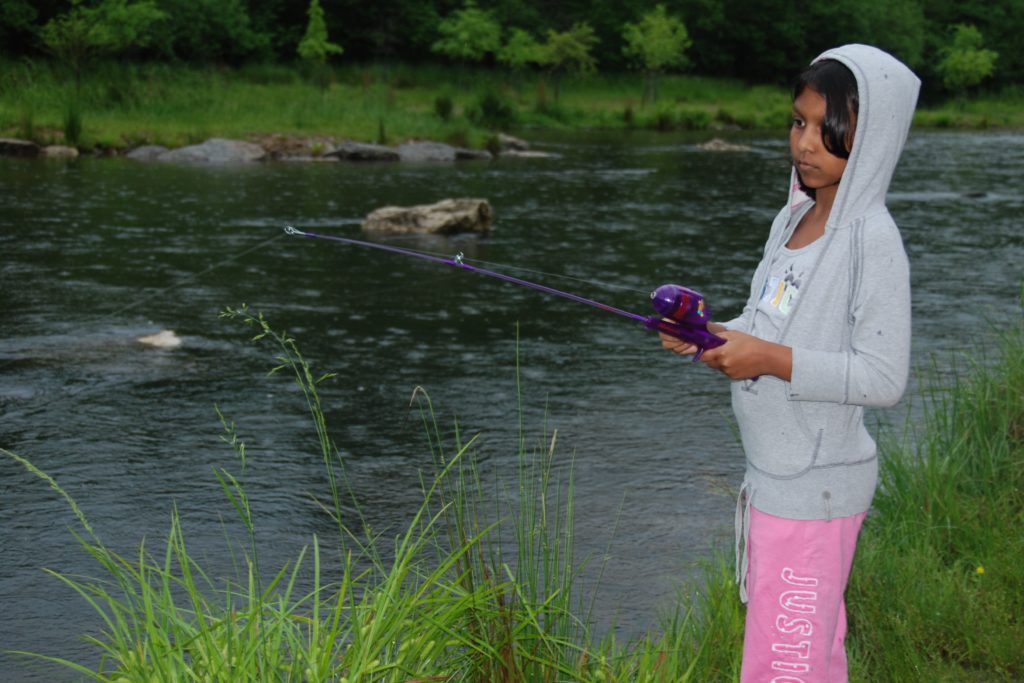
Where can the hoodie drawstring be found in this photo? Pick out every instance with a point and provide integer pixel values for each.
(743, 539)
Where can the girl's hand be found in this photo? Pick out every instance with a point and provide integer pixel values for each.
(745, 357)
(677, 345)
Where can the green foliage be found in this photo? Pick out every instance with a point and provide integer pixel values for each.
(520, 51)
(965, 62)
(935, 592)
(72, 123)
(210, 31)
(112, 26)
(493, 111)
(314, 46)
(657, 42)
(469, 34)
(16, 17)
(569, 52)
(443, 107)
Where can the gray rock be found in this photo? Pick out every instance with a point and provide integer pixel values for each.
(146, 152)
(216, 151)
(60, 152)
(507, 142)
(11, 147)
(720, 145)
(359, 151)
(447, 217)
(426, 152)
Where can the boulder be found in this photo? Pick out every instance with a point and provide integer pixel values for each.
(359, 151)
(146, 152)
(446, 217)
(427, 151)
(216, 151)
(164, 339)
(12, 147)
(720, 145)
(59, 152)
(508, 142)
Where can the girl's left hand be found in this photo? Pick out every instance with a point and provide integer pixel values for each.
(745, 357)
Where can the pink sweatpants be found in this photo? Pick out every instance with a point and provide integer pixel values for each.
(796, 617)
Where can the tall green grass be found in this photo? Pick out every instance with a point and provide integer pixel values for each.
(937, 589)
(122, 105)
(439, 602)
(936, 593)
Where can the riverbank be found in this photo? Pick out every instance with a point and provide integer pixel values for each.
(117, 107)
(936, 592)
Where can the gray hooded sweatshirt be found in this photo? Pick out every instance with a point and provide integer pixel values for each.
(809, 455)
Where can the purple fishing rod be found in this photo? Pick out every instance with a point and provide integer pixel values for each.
(682, 312)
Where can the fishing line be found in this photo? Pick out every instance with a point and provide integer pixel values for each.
(532, 271)
(189, 278)
(154, 295)
(682, 312)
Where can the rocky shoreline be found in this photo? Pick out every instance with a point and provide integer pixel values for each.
(278, 147)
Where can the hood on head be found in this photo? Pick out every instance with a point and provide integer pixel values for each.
(887, 91)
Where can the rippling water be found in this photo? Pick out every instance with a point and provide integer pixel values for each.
(98, 252)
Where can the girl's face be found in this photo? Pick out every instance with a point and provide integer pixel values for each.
(818, 168)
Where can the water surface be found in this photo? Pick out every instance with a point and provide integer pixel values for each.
(98, 252)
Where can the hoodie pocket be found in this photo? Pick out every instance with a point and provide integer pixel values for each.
(775, 439)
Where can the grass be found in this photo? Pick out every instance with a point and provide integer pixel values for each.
(120, 106)
(937, 589)
(936, 592)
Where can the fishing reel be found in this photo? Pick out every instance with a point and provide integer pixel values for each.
(682, 304)
(683, 313)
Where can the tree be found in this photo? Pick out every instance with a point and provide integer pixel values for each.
(216, 32)
(112, 26)
(569, 52)
(658, 41)
(520, 51)
(314, 47)
(965, 63)
(469, 34)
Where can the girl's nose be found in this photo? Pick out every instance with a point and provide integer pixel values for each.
(805, 140)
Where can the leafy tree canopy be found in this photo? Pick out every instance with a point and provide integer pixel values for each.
(469, 34)
(570, 51)
(966, 63)
(107, 28)
(657, 41)
(314, 46)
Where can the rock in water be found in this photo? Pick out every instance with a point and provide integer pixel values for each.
(720, 145)
(446, 217)
(164, 339)
(216, 151)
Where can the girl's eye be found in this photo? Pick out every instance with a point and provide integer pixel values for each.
(798, 123)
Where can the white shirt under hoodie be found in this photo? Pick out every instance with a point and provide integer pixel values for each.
(809, 455)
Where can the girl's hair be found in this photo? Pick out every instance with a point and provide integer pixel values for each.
(836, 83)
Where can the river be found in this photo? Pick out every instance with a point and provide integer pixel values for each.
(97, 252)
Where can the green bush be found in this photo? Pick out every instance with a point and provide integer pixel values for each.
(443, 107)
(493, 111)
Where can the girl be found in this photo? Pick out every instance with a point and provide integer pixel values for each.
(825, 332)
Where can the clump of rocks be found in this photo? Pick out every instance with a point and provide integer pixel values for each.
(279, 147)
